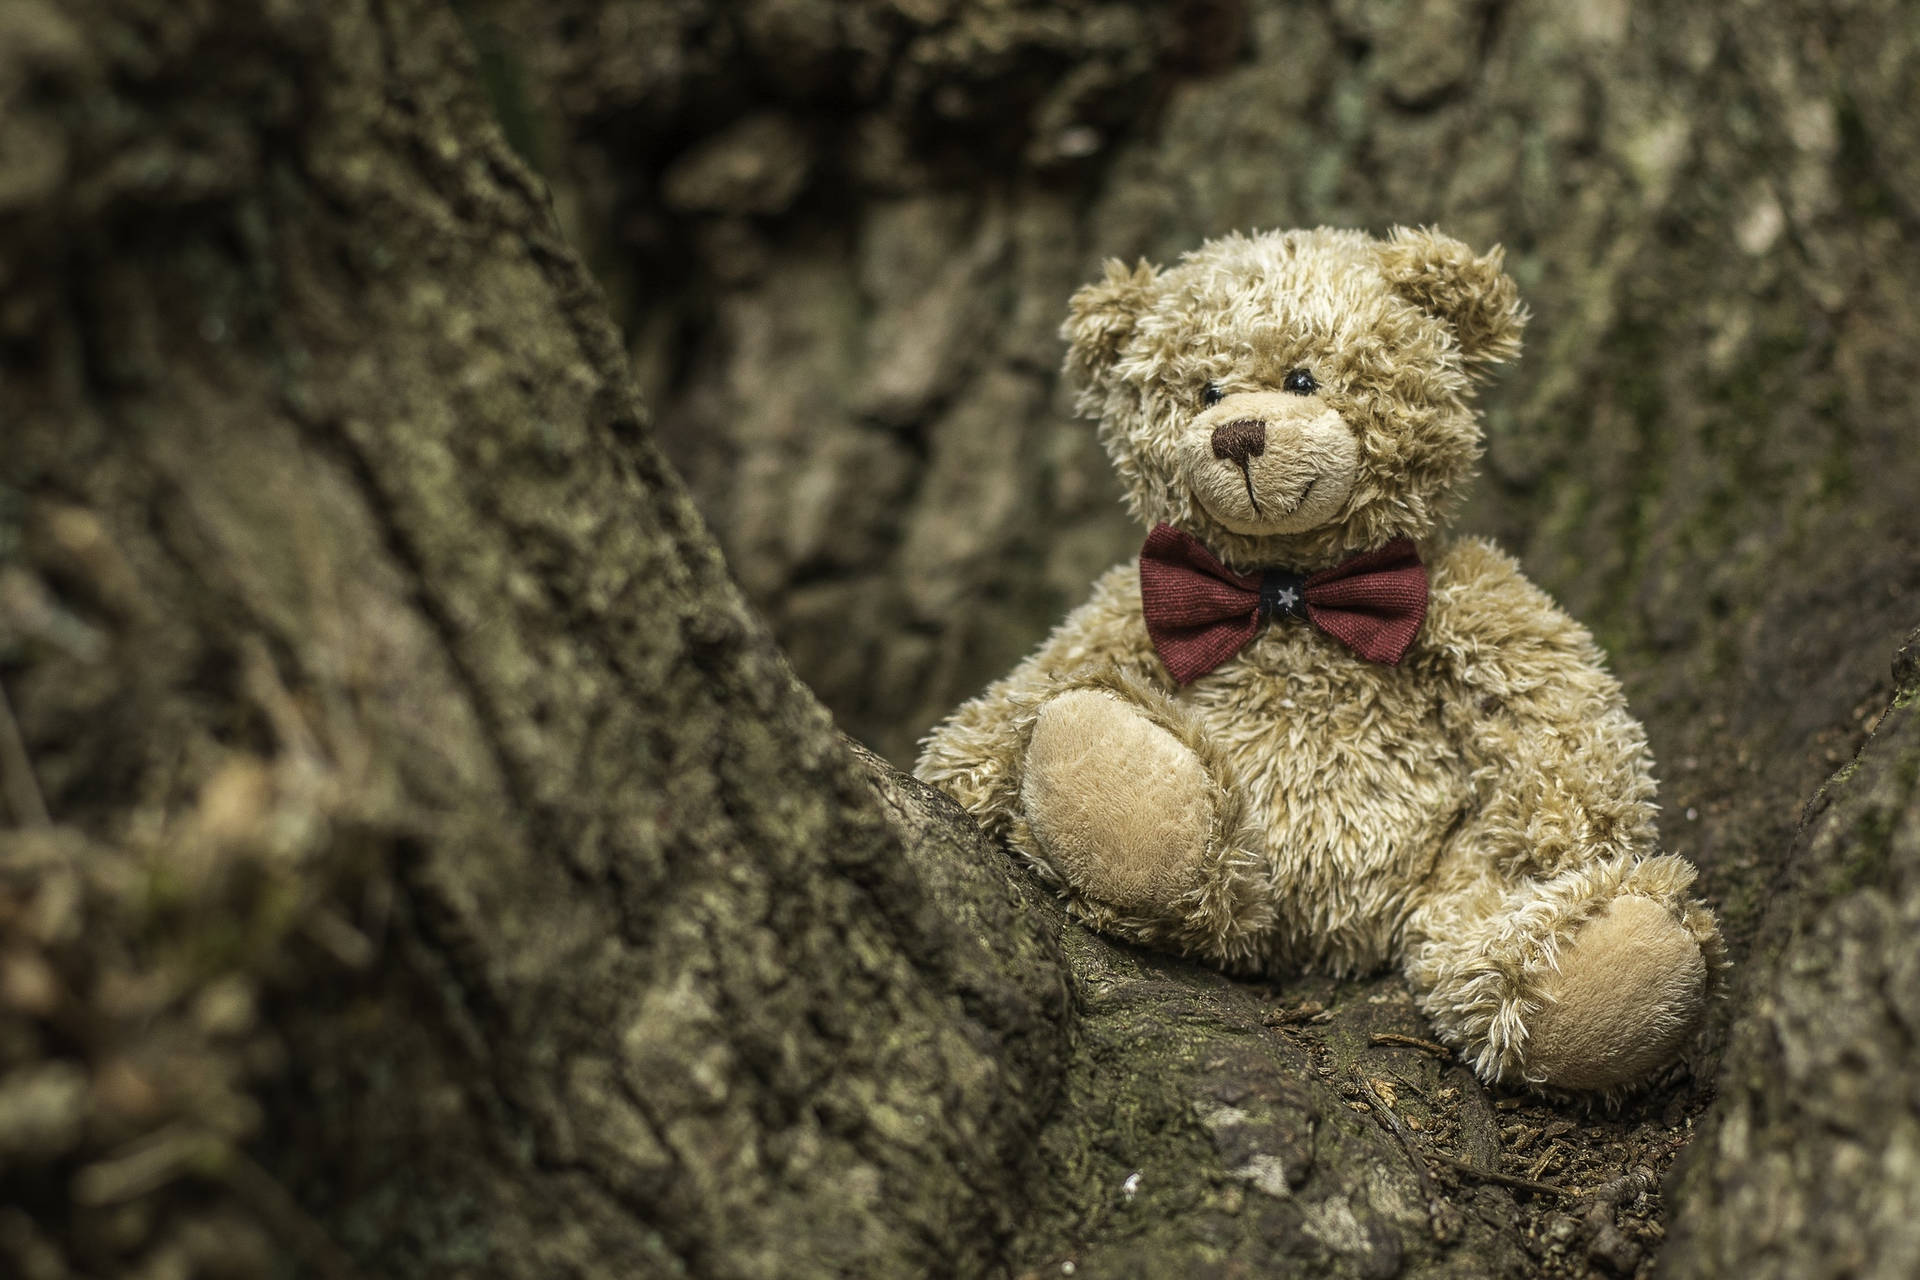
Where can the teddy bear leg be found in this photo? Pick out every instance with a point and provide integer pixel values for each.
(1621, 999)
(1139, 828)
(1589, 980)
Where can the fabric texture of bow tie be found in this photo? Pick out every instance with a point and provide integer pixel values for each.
(1199, 613)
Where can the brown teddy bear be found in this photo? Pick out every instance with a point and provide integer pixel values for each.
(1309, 728)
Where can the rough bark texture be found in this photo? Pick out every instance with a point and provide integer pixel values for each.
(422, 862)
(446, 873)
(1810, 1166)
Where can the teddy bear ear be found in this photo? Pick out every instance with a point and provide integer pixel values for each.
(1101, 317)
(1476, 299)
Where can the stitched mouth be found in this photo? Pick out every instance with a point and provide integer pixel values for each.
(1246, 478)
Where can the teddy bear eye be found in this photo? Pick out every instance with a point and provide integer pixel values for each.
(1301, 383)
(1212, 395)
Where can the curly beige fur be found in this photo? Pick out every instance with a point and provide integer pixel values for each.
(1480, 814)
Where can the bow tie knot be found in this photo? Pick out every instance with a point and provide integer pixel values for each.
(1282, 592)
(1199, 613)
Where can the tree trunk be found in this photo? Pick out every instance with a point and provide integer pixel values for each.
(445, 872)
(422, 861)
(1810, 1167)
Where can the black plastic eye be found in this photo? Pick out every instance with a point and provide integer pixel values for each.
(1212, 395)
(1301, 383)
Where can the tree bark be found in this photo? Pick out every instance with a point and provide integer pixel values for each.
(422, 862)
(415, 775)
(1807, 1168)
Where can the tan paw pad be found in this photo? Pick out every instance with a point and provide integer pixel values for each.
(1121, 806)
(1629, 990)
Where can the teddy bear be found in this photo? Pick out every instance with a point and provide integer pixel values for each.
(1310, 728)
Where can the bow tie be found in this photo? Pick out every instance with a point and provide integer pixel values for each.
(1199, 613)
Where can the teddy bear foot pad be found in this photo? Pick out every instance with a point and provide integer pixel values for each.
(1628, 991)
(1121, 806)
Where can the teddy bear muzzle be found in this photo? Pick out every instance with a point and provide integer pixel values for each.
(1269, 462)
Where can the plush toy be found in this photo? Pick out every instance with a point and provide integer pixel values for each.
(1308, 728)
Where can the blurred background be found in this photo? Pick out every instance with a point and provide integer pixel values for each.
(841, 235)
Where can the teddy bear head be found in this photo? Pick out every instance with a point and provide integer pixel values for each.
(1293, 397)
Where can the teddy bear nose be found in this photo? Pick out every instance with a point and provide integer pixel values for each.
(1238, 441)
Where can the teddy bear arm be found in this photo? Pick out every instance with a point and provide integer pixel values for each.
(1554, 944)
(1561, 771)
(1560, 787)
(976, 754)
(1127, 806)
(1086, 766)
(1107, 789)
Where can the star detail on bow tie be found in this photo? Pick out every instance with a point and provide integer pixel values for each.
(1199, 613)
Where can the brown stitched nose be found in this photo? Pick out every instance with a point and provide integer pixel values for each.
(1238, 441)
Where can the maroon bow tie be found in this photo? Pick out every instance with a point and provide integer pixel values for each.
(1200, 613)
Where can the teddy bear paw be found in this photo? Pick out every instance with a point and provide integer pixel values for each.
(1627, 992)
(1122, 808)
